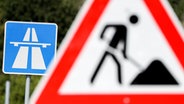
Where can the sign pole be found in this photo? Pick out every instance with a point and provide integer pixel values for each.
(27, 88)
(7, 92)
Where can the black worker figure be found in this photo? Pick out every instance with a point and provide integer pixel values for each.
(119, 37)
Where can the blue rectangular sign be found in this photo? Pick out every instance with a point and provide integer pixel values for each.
(29, 47)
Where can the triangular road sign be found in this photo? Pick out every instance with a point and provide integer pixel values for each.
(118, 52)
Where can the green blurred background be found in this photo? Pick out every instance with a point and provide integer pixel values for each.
(61, 12)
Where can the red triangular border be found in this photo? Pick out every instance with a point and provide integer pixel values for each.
(50, 93)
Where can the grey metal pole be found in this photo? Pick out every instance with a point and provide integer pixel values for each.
(27, 89)
(7, 92)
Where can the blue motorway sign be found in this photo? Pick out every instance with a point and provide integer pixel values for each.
(29, 47)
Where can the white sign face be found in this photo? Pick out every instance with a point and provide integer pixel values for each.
(125, 53)
(130, 51)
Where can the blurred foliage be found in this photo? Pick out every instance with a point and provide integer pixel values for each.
(61, 12)
(178, 6)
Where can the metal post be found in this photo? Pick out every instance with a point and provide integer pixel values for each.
(27, 88)
(7, 92)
